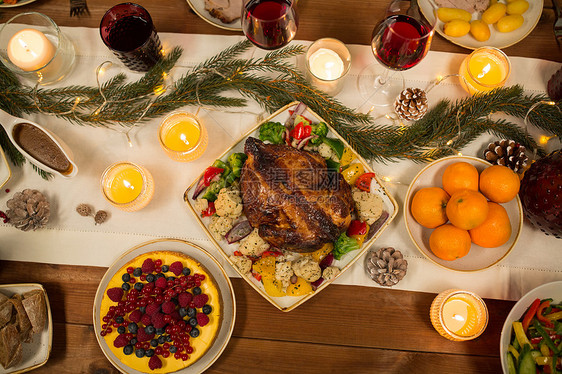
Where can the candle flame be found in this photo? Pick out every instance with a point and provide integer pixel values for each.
(183, 138)
(484, 71)
(128, 184)
(458, 317)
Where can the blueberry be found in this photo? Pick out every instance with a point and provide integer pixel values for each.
(149, 353)
(140, 352)
(133, 341)
(154, 342)
(171, 278)
(186, 271)
(207, 309)
(133, 328)
(194, 333)
(173, 349)
(168, 338)
(149, 330)
(137, 272)
(161, 339)
(126, 277)
(196, 290)
(192, 321)
(160, 331)
(182, 312)
(119, 319)
(128, 349)
(165, 268)
(121, 329)
(142, 309)
(191, 312)
(126, 286)
(159, 275)
(138, 286)
(150, 278)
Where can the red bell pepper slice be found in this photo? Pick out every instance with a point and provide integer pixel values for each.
(530, 314)
(545, 304)
(357, 227)
(210, 173)
(238, 253)
(298, 131)
(271, 253)
(210, 210)
(257, 276)
(364, 181)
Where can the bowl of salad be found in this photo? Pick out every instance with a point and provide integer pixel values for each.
(531, 338)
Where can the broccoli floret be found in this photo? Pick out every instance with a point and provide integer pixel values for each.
(343, 245)
(320, 130)
(272, 132)
(236, 160)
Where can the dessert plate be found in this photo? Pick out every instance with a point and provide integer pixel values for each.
(198, 6)
(36, 353)
(220, 277)
(497, 39)
(5, 172)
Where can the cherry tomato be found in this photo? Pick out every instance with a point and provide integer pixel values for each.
(210, 210)
(364, 181)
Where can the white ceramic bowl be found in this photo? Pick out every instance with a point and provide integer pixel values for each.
(478, 258)
(551, 290)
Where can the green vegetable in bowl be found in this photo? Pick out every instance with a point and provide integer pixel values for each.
(272, 132)
(344, 245)
(320, 130)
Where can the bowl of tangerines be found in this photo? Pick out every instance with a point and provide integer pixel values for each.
(463, 213)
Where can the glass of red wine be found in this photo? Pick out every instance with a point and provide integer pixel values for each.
(399, 42)
(269, 24)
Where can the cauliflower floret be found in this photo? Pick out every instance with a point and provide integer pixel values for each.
(284, 272)
(201, 205)
(311, 147)
(219, 226)
(368, 205)
(330, 272)
(243, 264)
(229, 203)
(327, 152)
(253, 244)
(307, 268)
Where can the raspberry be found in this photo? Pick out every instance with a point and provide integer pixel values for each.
(157, 320)
(154, 363)
(142, 336)
(120, 341)
(200, 300)
(135, 316)
(161, 282)
(146, 319)
(202, 319)
(152, 308)
(148, 266)
(175, 315)
(168, 307)
(176, 268)
(184, 299)
(115, 294)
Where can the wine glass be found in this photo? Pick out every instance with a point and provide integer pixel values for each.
(399, 42)
(269, 24)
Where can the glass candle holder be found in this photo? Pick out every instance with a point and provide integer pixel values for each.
(127, 186)
(327, 63)
(33, 46)
(484, 69)
(459, 315)
(127, 30)
(182, 136)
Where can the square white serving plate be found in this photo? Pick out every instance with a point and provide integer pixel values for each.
(288, 303)
(5, 172)
(36, 353)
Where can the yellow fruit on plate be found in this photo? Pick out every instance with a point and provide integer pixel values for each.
(265, 267)
(499, 183)
(428, 207)
(319, 254)
(449, 242)
(460, 176)
(467, 209)
(448, 14)
(495, 230)
(456, 28)
(517, 7)
(480, 30)
(299, 288)
(494, 13)
(273, 287)
(510, 23)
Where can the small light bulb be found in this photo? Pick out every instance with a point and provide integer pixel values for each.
(544, 139)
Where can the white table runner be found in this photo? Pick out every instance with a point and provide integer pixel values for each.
(72, 239)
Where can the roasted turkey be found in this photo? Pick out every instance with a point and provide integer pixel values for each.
(292, 198)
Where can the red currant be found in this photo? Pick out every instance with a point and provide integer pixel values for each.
(130, 270)
(158, 350)
(158, 269)
(158, 262)
(104, 326)
(108, 330)
(189, 350)
(102, 333)
(166, 346)
(132, 280)
(184, 357)
(143, 278)
(106, 319)
(165, 354)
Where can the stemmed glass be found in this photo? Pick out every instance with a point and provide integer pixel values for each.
(399, 42)
(269, 24)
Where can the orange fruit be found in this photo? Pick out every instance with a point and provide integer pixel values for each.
(460, 176)
(467, 209)
(499, 183)
(449, 242)
(496, 229)
(428, 207)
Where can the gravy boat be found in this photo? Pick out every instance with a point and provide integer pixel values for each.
(12, 124)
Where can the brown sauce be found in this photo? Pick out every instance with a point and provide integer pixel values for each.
(41, 147)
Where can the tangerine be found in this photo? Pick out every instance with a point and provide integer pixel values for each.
(449, 242)
(496, 229)
(428, 207)
(467, 209)
(499, 183)
(460, 176)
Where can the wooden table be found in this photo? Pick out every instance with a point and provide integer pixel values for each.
(342, 329)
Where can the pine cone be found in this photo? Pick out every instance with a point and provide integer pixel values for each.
(411, 104)
(554, 86)
(507, 153)
(28, 210)
(386, 266)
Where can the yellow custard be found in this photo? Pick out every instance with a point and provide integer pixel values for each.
(125, 186)
(460, 315)
(182, 135)
(199, 344)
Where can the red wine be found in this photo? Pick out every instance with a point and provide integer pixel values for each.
(401, 42)
(129, 33)
(270, 24)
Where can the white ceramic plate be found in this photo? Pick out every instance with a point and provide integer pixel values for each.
(19, 3)
(37, 352)
(5, 172)
(288, 303)
(221, 279)
(198, 7)
(497, 39)
(551, 290)
(478, 258)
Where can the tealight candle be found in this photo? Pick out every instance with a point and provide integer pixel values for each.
(182, 136)
(484, 69)
(327, 62)
(459, 315)
(127, 186)
(29, 49)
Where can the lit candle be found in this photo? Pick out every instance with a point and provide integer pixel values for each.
(326, 64)
(29, 49)
(127, 186)
(459, 315)
(327, 61)
(182, 136)
(484, 69)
